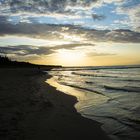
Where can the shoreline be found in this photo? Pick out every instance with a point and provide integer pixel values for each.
(36, 110)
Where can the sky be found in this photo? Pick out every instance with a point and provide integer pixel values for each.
(71, 32)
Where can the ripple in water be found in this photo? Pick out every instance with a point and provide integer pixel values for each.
(110, 95)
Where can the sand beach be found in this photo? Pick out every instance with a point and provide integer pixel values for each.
(30, 109)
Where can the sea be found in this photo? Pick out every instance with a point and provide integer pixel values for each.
(109, 95)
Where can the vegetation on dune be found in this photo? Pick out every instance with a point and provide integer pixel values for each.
(7, 62)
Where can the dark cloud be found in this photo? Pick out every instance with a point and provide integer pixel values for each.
(123, 36)
(71, 46)
(24, 50)
(54, 32)
(3, 19)
(98, 17)
(27, 52)
(27, 29)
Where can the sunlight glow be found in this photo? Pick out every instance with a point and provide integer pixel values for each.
(10, 40)
(72, 37)
(67, 57)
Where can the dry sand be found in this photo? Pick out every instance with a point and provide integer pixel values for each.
(30, 109)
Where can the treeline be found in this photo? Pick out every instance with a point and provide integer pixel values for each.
(6, 62)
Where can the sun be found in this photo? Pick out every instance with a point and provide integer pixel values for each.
(70, 57)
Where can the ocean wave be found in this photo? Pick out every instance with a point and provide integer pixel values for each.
(83, 88)
(131, 80)
(125, 88)
(133, 123)
(96, 68)
(93, 75)
(89, 82)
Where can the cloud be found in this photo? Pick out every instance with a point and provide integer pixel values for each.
(3, 19)
(41, 6)
(24, 50)
(98, 17)
(74, 12)
(100, 3)
(35, 30)
(133, 13)
(66, 9)
(91, 54)
(38, 51)
(71, 46)
(123, 36)
(72, 33)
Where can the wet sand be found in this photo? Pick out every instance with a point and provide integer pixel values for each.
(30, 109)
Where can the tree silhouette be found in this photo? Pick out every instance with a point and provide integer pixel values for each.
(7, 62)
